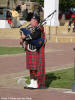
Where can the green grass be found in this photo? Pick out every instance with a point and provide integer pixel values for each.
(11, 50)
(59, 79)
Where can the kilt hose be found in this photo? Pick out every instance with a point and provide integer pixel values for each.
(35, 62)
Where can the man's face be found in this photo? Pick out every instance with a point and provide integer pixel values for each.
(34, 22)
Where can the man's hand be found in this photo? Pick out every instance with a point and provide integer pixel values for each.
(22, 35)
(21, 42)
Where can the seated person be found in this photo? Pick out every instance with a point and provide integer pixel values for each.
(72, 21)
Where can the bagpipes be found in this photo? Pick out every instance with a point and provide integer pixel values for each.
(28, 30)
(38, 43)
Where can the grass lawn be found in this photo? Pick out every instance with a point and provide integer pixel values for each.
(11, 50)
(59, 79)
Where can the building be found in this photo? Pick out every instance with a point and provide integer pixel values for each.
(13, 3)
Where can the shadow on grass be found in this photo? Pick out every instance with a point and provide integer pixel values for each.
(49, 77)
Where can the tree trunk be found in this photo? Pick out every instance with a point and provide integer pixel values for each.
(8, 3)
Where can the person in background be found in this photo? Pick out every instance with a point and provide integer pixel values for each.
(18, 8)
(15, 18)
(23, 6)
(9, 18)
(24, 11)
(36, 12)
(25, 14)
(72, 21)
(40, 8)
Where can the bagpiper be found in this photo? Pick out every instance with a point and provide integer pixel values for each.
(35, 56)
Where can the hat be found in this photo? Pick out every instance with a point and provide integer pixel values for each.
(36, 17)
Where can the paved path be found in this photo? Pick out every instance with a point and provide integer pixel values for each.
(45, 94)
(13, 66)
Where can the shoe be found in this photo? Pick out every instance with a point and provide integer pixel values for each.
(26, 87)
(30, 85)
(33, 84)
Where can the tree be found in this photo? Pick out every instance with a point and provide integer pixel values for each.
(41, 2)
(64, 5)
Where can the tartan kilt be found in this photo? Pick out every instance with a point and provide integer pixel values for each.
(35, 60)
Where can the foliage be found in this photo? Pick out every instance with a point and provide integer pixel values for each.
(63, 4)
(40, 1)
